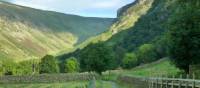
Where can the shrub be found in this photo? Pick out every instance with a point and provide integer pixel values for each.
(27, 67)
(71, 65)
(8, 67)
(48, 65)
(146, 53)
(129, 60)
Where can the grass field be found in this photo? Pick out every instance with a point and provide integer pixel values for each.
(162, 67)
(48, 85)
(83, 84)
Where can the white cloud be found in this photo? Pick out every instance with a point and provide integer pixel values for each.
(74, 6)
(110, 4)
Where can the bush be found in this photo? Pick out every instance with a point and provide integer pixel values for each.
(71, 65)
(8, 67)
(129, 60)
(27, 67)
(146, 53)
(48, 65)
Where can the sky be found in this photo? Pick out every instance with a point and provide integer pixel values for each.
(89, 8)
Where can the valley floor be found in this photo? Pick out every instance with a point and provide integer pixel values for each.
(85, 84)
(110, 79)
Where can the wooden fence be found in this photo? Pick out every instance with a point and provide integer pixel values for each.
(160, 82)
(164, 82)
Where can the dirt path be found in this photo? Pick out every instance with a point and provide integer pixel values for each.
(113, 84)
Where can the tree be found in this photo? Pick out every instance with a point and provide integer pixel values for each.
(9, 67)
(129, 60)
(27, 67)
(97, 57)
(161, 46)
(184, 35)
(71, 65)
(48, 65)
(146, 53)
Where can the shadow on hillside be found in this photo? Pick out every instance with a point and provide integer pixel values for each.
(149, 26)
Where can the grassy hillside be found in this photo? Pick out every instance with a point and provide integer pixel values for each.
(162, 67)
(147, 27)
(138, 23)
(27, 33)
(127, 17)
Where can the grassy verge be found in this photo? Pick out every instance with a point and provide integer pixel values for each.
(75, 84)
(81, 84)
(162, 67)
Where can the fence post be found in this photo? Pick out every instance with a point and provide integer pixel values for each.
(149, 82)
(161, 81)
(152, 84)
(193, 83)
(172, 86)
(166, 84)
(157, 82)
(180, 82)
(187, 82)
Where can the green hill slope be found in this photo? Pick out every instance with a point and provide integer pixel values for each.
(27, 33)
(127, 17)
(149, 26)
(161, 67)
(138, 23)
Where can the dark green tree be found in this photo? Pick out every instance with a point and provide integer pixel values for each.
(146, 53)
(129, 60)
(8, 67)
(97, 57)
(71, 65)
(48, 64)
(161, 46)
(184, 34)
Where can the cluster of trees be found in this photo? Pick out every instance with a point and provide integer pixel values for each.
(9, 67)
(146, 53)
(48, 64)
(100, 57)
(181, 42)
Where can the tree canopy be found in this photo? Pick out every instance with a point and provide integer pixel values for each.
(184, 34)
(71, 65)
(48, 65)
(130, 60)
(97, 57)
(146, 53)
